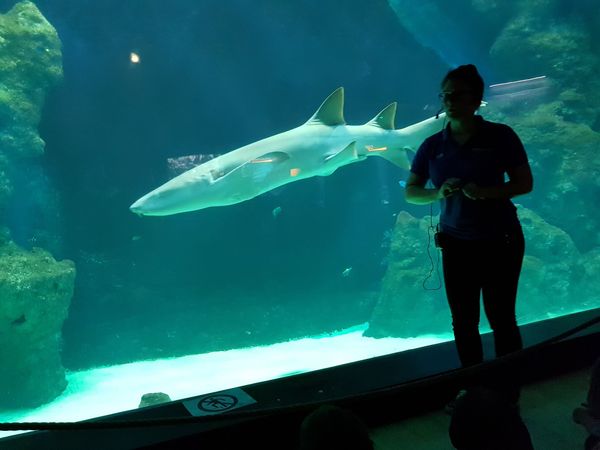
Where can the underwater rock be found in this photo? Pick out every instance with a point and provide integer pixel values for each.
(154, 398)
(36, 291)
(556, 45)
(564, 161)
(556, 279)
(589, 287)
(6, 186)
(405, 308)
(561, 135)
(544, 241)
(551, 273)
(30, 64)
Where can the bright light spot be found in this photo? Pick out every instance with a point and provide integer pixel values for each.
(262, 160)
(134, 58)
(294, 172)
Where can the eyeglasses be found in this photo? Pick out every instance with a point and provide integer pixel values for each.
(454, 95)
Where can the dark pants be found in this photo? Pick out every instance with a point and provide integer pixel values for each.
(490, 268)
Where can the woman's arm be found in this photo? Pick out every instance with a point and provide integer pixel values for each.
(417, 194)
(520, 181)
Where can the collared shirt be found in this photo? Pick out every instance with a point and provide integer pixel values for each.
(483, 159)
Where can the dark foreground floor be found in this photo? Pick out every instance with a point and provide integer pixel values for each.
(546, 408)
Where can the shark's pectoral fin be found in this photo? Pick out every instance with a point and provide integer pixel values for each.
(397, 157)
(271, 158)
(256, 169)
(347, 155)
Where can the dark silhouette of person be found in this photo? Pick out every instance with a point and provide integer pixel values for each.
(484, 419)
(588, 414)
(474, 168)
(330, 427)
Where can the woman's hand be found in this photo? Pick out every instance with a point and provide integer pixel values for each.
(472, 191)
(450, 186)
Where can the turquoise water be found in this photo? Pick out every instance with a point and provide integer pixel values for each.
(101, 100)
(100, 391)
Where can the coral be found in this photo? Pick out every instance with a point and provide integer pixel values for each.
(36, 291)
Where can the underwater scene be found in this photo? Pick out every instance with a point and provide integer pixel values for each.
(199, 195)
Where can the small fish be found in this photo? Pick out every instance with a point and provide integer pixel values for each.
(402, 183)
(136, 238)
(20, 320)
(346, 272)
(276, 212)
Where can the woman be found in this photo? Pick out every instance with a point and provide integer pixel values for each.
(479, 232)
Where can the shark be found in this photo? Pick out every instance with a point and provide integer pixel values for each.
(318, 147)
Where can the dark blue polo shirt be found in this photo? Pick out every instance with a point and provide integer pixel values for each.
(483, 160)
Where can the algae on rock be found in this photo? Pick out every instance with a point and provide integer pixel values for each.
(36, 291)
(30, 64)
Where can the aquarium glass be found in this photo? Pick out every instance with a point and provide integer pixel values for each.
(268, 254)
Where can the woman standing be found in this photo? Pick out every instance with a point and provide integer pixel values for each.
(476, 167)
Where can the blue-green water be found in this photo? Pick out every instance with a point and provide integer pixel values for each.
(311, 257)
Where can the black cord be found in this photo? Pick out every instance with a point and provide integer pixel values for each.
(434, 266)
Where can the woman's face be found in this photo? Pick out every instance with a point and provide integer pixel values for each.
(458, 99)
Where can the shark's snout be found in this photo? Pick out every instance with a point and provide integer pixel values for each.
(136, 209)
(160, 202)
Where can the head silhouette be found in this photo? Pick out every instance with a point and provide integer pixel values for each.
(330, 427)
(468, 76)
(484, 419)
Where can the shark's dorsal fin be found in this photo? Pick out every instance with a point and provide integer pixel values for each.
(386, 118)
(331, 111)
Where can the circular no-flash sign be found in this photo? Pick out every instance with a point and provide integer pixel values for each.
(217, 403)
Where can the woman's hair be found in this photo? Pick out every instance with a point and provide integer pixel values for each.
(469, 75)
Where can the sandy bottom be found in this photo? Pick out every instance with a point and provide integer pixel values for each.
(108, 390)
